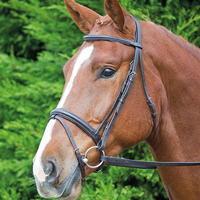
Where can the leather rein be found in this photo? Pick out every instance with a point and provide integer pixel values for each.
(105, 127)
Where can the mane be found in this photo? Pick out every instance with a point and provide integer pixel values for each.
(179, 40)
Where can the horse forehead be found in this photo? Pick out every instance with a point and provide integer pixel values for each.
(104, 25)
(84, 54)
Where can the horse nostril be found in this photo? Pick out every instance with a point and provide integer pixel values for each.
(49, 168)
(50, 171)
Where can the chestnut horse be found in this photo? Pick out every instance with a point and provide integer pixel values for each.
(94, 76)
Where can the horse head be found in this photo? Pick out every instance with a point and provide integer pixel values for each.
(94, 77)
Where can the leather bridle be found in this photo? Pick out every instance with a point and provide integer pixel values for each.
(105, 127)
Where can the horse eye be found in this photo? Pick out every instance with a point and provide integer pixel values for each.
(107, 73)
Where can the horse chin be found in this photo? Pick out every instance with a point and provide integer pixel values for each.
(74, 193)
(69, 189)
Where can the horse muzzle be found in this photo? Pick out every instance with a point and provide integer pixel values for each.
(53, 187)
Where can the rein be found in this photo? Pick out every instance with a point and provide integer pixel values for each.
(105, 127)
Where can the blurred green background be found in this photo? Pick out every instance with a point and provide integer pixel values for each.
(36, 38)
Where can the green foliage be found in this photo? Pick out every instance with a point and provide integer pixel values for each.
(181, 17)
(36, 39)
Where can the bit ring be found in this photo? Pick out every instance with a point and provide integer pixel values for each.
(85, 159)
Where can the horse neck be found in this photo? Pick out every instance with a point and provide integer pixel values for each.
(178, 65)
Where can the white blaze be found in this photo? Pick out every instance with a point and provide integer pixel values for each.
(82, 57)
(37, 166)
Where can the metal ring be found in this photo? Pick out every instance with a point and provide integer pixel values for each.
(85, 159)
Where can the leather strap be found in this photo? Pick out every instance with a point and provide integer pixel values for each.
(122, 162)
(73, 143)
(84, 126)
(90, 38)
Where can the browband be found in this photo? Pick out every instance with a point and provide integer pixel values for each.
(126, 42)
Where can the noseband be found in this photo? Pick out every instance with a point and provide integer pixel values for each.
(105, 127)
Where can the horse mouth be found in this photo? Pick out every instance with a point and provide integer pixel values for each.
(68, 189)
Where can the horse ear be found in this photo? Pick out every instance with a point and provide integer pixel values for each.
(114, 10)
(84, 17)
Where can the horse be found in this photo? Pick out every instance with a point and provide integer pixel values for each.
(167, 119)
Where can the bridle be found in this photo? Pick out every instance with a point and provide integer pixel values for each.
(105, 127)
